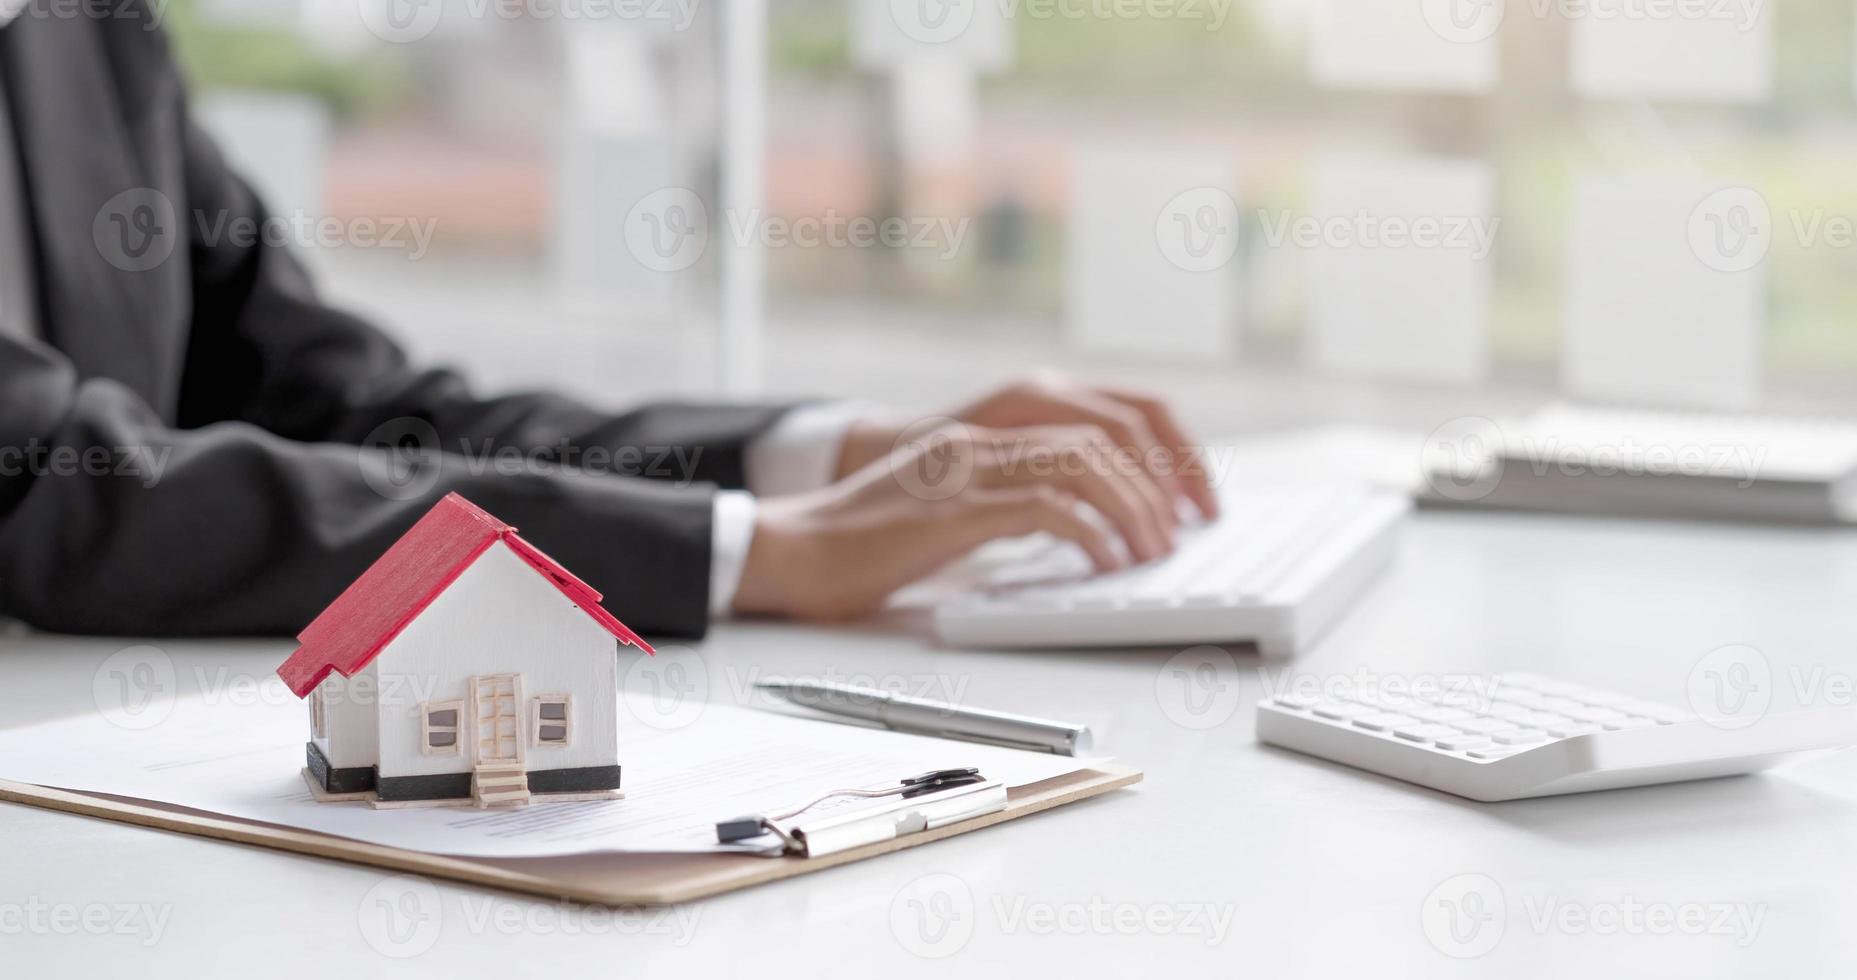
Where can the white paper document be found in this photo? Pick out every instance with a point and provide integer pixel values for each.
(245, 760)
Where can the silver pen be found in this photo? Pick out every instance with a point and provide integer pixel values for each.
(921, 716)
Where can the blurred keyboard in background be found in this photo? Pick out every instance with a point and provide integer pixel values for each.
(1650, 463)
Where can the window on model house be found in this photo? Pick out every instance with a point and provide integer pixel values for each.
(549, 719)
(438, 727)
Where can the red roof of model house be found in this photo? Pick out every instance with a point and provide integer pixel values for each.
(404, 581)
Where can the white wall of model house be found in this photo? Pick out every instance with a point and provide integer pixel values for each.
(500, 616)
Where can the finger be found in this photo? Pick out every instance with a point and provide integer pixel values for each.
(1128, 428)
(1193, 478)
(1156, 500)
(1015, 511)
(1104, 483)
(1075, 461)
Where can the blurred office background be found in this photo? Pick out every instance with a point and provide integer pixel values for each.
(1277, 210)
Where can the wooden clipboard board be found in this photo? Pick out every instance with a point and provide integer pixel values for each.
(604, 879)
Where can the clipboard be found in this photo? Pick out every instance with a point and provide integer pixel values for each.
(602, 879)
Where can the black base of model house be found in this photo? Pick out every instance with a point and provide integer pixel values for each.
(451, 785)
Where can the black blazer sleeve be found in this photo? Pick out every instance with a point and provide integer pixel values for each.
(248, 499)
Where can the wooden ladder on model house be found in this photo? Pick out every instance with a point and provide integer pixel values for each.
(498, 779)
(499, 784)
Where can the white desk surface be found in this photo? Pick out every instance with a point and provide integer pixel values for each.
(1323, 871)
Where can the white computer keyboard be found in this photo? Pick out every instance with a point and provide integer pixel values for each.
(1525, 735)
(1278, 567)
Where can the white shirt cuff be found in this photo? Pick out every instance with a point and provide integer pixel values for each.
(800, 452)
(732, 531)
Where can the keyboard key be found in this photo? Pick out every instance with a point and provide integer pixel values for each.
(1540, 719)
(1494, 751)
(1484, 726)
(1425, 733)
(1572, 728)
(1303, 701)
(1384, 722)
(1558, 704)
(1453, 699)
(1440, 714)
(1521, 736)
(1516, 695)
(1629, 724)
(1340, 710)
(1458, 743)
(1510, 711)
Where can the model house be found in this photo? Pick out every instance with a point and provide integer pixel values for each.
(464, 666)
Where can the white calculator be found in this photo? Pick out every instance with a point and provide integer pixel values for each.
(1533, 736)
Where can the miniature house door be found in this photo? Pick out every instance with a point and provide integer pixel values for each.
(499, 727)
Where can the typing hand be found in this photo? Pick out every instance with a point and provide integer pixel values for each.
(1140, 425)
(838, 552)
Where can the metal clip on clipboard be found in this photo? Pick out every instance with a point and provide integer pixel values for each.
(919, 803)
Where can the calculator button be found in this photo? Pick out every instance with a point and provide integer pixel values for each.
(1656, 712)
